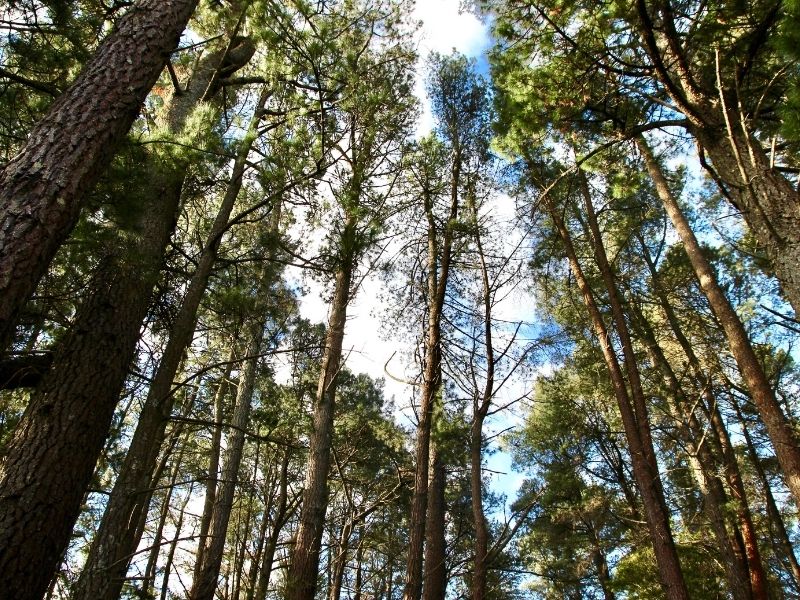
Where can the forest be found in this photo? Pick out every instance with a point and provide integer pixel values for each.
(586, 257)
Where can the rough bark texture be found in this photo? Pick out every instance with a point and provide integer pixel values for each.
(205, 585)
(780, 430)
(435, 575)
(634, 423)
(303, 571)
(43, 187)
(118, 535)
(51, 458)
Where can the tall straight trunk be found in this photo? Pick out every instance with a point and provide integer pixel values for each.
(42, 189)
(304, 567)
(780, 430)
(50, 459)
(784, 544)
(174, 545)
(359, 564)
(213, 463)
(635, 422)
(481, 403)
(265, 570)
(117, 538)
(435, 573)
(340, 561)
(720, 438)
(204, 587)
(438, 267)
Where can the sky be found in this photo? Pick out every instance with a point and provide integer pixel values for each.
(368, 346)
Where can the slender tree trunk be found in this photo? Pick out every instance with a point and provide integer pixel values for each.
(339, 563)
(705, 467)
(213, 463)
(304, 567)
(634, 423)
(780, 430)
(173, 547)
(117, 538)
(720, 438)
(278, 521)
(438, 266)
(435, 576)
(205, 585)
(42, 188)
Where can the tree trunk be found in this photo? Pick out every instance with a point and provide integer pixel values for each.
(340, 562)
(634, 423)
(438, 266)
(204, 587)
(117, 538)
(52, 455)
(435, 576)
(42, 189)
(303, 571)
(277, 524)
(213, 463)
(780, 430)
(174, 545)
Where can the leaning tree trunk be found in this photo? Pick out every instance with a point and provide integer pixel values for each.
(50, 460)
(781, 433)
(634, 423)
(303, 570)
(43, 188)
(117, 536)
(205, 584)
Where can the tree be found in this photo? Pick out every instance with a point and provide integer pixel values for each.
(42, 188)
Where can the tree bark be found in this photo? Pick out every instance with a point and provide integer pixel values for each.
(52, 455)
(780, 430)
(42, 189)
(117, 538)
(205, 585)
(435, 576)
(303, 571)
(438, 266)
(635, 422)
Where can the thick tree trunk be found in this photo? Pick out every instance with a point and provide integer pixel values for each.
(117, 537)
(634, 421)
(42, 189)
(435, 575)
(781, 433)
(51, 458)
(480, 568)
(303, 571)
(205, 585)
(766, 199)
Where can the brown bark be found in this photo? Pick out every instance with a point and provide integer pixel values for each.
(42, 189)
(634, 418)
(205, 585)
(280, 516)
(303, 571)
(50, 460)
(438, 267)
(213, 464)
(117, 538)
(174, 544)
(766, 199)
(435, 574)
(780, 430)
